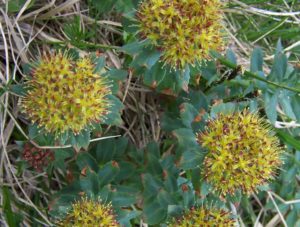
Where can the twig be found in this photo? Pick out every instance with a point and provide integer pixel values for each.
(69, 145)
(277, 208)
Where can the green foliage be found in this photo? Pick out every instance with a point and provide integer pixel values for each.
(15, 6)
(12, 218)
(155, 184)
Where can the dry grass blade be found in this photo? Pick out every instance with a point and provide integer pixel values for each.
(64, 6)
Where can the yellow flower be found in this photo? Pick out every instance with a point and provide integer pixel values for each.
(243, 153)
(206, 217)
(89, 213)
(185, 30)
(65, 94)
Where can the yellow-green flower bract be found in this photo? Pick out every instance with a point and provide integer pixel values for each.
(89, 213)
(65, 94)
(206, 217)
(185, 30)
(243, 153)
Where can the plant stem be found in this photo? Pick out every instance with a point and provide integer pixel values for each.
(233, 66)
(100, 46)
(86, 44)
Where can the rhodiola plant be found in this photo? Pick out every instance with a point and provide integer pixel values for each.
(217, 148)
(165, 128)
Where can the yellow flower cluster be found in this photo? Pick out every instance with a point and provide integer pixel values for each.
(243, 153)
(89, 213)
(65, 94)
(208, 217)
(185, 30)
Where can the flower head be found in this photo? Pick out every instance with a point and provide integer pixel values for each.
(36, 157)
(65, 94)
(209, 217)
(243, 152)
(89, 213)
(185, 30)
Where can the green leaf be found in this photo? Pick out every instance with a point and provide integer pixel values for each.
(84, 160)
(175, 210)
(292, 218)
(225, 108)
(153, 149)
(133, 48)
(295, 102)
(2, 90)
(271, 101)
(153, 212)
(191, 159)
(287, 138)
(81, 140)
(186, 138)
(60, 156)
(124, 216)
(115, 76)
(108, 173)
(155, 75)
(130, 26)
(183, 79)
(188, 114)
(90, 184)
(279, 67)
(62, 205)
(125, 5)
(257, 60)
(285, 102)
(290, 174)
(12, 219)
(171, 183)
(128, 170)
(163, 78)
(103, 6)
(205, 188)
(198, 99)
(209, 71)
(196, 175)
(33, 131)
(279, 47)
(125, 196)
(15, 6)
(151, 185)
(147, 57)
(99, 64)
(188, 198)
(105, 151)
(170, 122)
(231, 56)
(153, 165)
(110, 149)
(18, 89)
(114, 117)
(165, 198)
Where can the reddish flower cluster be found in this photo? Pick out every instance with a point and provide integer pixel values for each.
(36, 157)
